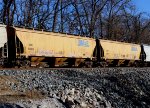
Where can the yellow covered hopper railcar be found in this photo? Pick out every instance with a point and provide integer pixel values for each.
(26, 47)
(119, 53)
(55, 49)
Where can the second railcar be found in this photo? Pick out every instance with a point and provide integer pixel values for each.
(114, 53)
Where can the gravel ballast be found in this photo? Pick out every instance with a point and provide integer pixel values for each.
(75, 88)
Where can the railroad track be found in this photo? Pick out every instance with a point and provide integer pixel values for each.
(70, 68)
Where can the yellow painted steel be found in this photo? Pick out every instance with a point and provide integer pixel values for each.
(120, 50)
(37, 59)
(49, 44)
(60, 61)
(79, 61)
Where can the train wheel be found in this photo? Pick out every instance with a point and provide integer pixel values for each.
(103, 64)
(42, 65)
(89, 64)
(136, 64)
(24, 64)
(1, 63)
(1, 66)
(86, 64)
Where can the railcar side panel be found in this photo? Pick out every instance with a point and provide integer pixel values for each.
(119, 50)
(38, 43)
(3, 41)
(147, 52)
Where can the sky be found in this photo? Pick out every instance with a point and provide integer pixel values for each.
(142, 5)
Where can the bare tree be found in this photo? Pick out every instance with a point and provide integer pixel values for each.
(56, 8)
(114, 9)
(9, 8)
(111, 19)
